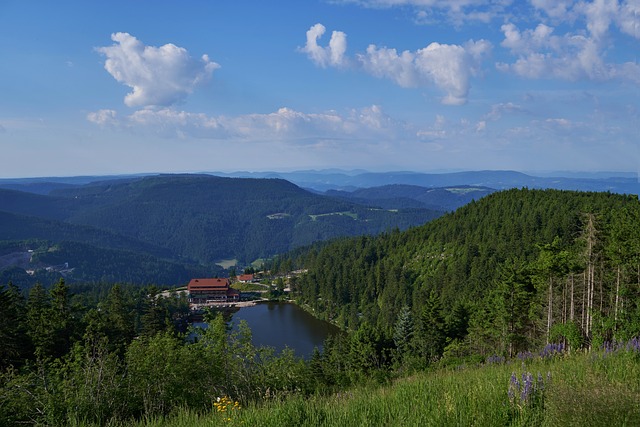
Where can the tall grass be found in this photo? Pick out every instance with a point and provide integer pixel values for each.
(581, 390)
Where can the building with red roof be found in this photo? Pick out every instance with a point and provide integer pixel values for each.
(245, 278)
(203, 291)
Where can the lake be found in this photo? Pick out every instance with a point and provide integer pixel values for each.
(281, 325)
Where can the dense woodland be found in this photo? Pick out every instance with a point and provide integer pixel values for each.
(509, 273)
(506, 276)
(182, 221)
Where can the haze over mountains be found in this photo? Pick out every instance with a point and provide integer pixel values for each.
(337, 179)
(167, 228)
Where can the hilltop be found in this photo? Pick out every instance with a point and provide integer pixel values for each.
(193, 221)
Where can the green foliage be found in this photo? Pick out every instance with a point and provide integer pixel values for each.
(403, 331)
(512, 264)
(568, 332)
(163, 229)
(15, 344)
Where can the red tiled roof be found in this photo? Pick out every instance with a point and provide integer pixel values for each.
(245, 277)
(208, 285)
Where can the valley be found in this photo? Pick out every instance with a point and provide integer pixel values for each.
(528, 277)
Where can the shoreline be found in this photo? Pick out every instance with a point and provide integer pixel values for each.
(239, 304)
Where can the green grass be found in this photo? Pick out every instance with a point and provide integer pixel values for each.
(583, 390)
(227, 263)
(249, 287)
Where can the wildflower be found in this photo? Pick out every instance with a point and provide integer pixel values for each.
(525, 392)
(225, 406)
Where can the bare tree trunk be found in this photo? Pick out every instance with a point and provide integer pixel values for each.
(615, 315)
(590, 234)
(564, 300)
(550, 309)
(583, 314)
(571, 308)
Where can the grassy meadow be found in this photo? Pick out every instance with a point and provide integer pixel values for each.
(600, 388)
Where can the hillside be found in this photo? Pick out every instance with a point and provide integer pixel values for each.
(622, 183)
(396, 196)
(192, 220)
(547, 252)
(521, 308)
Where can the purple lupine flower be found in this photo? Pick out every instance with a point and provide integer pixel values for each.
(527, 389)
(527, 355)
(540, 383)
(514, 387)
(495, 359)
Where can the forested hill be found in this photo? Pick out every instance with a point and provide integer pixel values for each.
(190, 219)
(208, 218)
(512, 266)
(399, 195)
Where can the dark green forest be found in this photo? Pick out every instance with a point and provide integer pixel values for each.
(183, 221)
(518, 274)
(511, 272)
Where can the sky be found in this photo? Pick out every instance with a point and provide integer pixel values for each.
(99, 88)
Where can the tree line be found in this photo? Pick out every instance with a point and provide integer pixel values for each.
(500, 277)
(506, 274)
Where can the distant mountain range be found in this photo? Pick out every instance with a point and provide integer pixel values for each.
(336, 179)
(164, 228)
(193, 221)
(623, 183)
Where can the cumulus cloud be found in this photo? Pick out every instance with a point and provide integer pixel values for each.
(553, 8)
(103, 117)
(569, 57)
(574, 55)
(498, 110)
(571, 41)
(628, 18)
(331, 55)
(448, 67)
(428, 11)
(159, 76)
(285, 124)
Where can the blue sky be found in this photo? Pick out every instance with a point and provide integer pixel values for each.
(423, 85)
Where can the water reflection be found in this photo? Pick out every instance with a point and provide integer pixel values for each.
(281, 325)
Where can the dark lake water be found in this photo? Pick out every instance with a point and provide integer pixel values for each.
(281, 325)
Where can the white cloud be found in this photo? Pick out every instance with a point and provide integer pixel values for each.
(568, 57)
(283, 125)
(628, 18)
(448, 67)
(103, 117)
(498, 110)
(553, 8)
(428, 11)
(599, 15)
(577, 54)
(159, 76)
(325, 56)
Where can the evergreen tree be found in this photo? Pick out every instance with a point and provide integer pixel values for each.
(403, 331)
(511, 299)
(38, 322)
(14, 346)
(430, 334)
(61, 319)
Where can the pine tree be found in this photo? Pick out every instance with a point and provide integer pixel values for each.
(511, 300)
(430, 333)
(13, 336)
